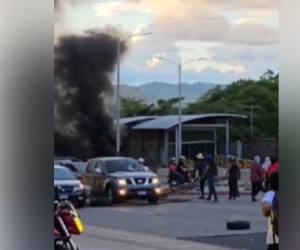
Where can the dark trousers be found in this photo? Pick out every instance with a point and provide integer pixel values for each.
(233, 187)
(202, 185)
(176, 177)
(212, 190)
(273, 247)
(256, 187)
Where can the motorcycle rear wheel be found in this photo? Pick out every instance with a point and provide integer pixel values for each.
(64, 246)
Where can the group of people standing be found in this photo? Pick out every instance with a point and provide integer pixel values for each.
(264, 176)
(207, 171)
(260, 174)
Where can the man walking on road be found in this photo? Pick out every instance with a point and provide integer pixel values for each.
(256, 178)
(233, 174)
(212, 175)
(201, 167)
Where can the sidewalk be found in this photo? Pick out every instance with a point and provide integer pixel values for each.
(98, 238)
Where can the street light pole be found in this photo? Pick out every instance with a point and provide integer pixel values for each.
(179, 110)
(179, 69)
(118, 136)
(118, 101)
(251, 122)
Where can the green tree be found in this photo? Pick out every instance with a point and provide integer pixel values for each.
(135, 107)
(166, 107)
(239, 97)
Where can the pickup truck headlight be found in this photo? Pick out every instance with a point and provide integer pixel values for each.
(122, 182)
(80, 187)
(155, 180)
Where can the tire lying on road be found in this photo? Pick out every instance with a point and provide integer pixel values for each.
(238, 225)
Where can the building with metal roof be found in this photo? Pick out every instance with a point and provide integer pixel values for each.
(170, 121)
(156, 137)
(129, 121)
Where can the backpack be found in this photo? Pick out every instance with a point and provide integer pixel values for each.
(275, 216)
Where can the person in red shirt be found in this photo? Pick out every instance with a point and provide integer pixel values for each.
(273, 168)
(256, 177)
(173, 173)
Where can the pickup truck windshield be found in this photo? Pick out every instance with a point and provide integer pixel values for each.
(123, 165)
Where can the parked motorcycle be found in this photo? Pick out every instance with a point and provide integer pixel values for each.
(66, 224)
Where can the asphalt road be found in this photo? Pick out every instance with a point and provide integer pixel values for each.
(254, 241)
(192, 220)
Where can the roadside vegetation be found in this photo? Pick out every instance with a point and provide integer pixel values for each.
(238, 97)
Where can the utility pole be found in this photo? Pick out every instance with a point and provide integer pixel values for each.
(179, 110)
(118, 136)
(118, 101)
(251, 122)
(178, 132)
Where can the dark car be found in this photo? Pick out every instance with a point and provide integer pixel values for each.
(67, 158)
(67, 186)
(120, 178)
(78, 168)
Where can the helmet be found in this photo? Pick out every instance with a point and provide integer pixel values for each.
(172, 159)
(182, 157)
(141, 160)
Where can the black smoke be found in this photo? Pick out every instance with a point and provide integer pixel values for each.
(83, 70)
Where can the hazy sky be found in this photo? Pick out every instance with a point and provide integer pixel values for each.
(237, 38)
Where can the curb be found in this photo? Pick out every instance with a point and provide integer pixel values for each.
(218, 193)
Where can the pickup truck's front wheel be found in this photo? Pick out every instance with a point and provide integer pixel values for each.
(110, 196)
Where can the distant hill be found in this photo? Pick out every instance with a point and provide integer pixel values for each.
(151, 92)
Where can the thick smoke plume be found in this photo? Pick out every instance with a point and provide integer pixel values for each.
(83, 71)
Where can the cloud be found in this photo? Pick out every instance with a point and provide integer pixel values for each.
(190, 20)
(109, 9)
(252, 34)
(153, 62)
(240, 34)
(203, 20)
(222, 67)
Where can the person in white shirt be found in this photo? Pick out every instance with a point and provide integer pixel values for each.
(141, 161)
(266, 163)
(267, 207)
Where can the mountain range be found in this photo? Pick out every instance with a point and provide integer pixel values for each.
(153, 91)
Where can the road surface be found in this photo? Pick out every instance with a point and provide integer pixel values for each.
(173, 223)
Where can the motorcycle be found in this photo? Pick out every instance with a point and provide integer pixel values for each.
(66, 224)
